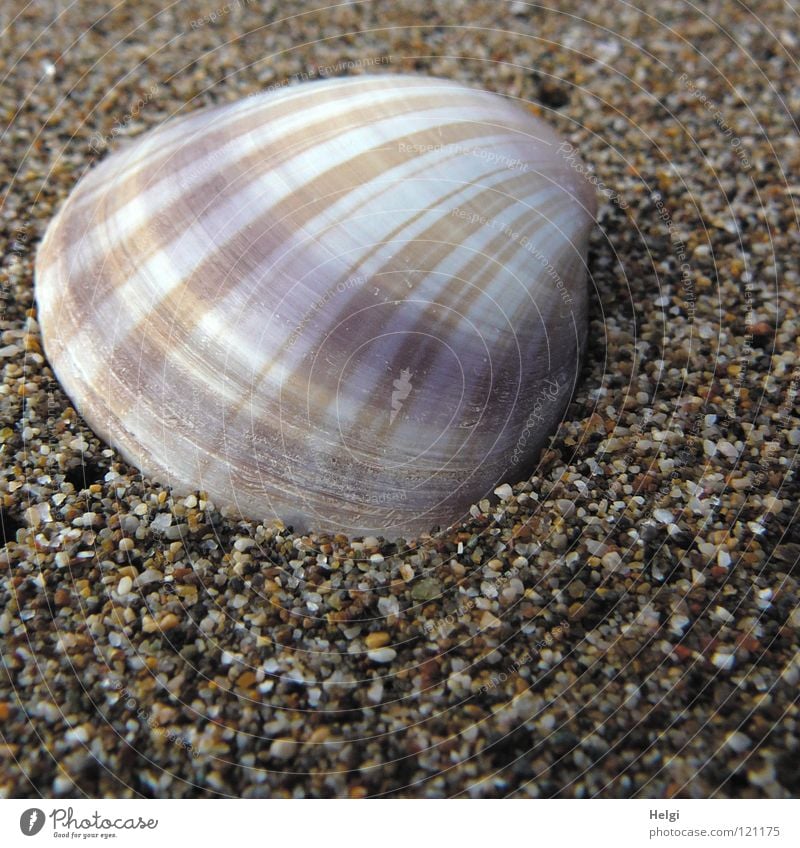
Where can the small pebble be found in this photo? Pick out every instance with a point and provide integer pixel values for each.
(377, 639)
(282, 749)
(504, 492)
(738, 741)
(382, 655)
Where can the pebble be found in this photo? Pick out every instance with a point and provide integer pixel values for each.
(738, 741)
(490, 620)
(504, 492)
(377, 639)
(148, 576)
(161, 522)
(565, 507)
(282, 749)
(124, 586)
(382, 655)
(723, 661)
(389, 606)
(38, 514)
(595, 547)
(426, 589)
(763, 775)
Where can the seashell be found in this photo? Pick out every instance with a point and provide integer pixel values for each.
(357, 304)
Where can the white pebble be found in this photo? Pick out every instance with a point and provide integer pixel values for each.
(678, 623)
(504, 492)
(375, 692)
(719, 613)
(382, 655)
(489, 620)
(162, 521)
(723, 661)
(738, 741)
(124, 586)
(764, 599)
(791, 673)
(389, 606)
(595, 547)
(282, 749)
(612, 560)
(62, 785)
(149, 575)
(547, 722)
(38, 514)
(565, 506)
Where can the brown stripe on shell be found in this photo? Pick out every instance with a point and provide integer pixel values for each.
(147, 243)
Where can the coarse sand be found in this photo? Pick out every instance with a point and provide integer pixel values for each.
(622, 624)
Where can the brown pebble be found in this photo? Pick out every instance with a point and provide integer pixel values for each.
(319, 735)
(577, 611)
(762, 333)
(61, 598)
(169, 622)
(246, 680)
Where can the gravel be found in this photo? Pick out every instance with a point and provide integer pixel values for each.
(625, 624)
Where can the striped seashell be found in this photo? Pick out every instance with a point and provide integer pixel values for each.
(356, 304)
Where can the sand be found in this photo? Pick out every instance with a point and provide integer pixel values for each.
(622, 624)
